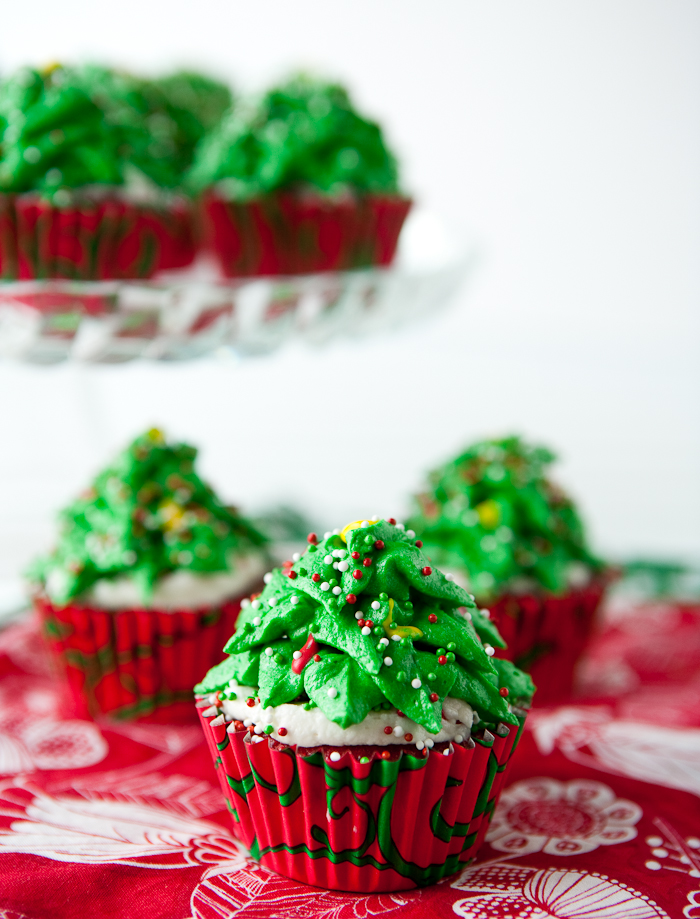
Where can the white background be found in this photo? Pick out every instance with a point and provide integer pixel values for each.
(566, 135)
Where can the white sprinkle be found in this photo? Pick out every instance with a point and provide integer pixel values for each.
(446, 752)
(489, 650)
(376, 604)
(419, 745)
(400, 526)
(273, 601)
(388, 661)
(285, 636)
(468, 616)
(365, 630)
(268, 577)
(247, 723)
(335, 533)
(338, 553)
(255, 604)
(486, 613)
(336, 590)
(325, 586)
(471, 597)
(296, 655)
(342, 566)
(384, 642)
(332, 692)
(245, 601)
(449, 577)
(294, 601)
(335, 565)
(268, 651)
(396, 638)
(327, 534)
(459, 738)
(398, 731)
(359, 614)
(257, 739)
(430, 743)
(257, 620)
(374, 518)
(416, 683)
(365, 523)
(410, 534)
(335, 756)
(258, 729)
(296, 557)
(328, 560)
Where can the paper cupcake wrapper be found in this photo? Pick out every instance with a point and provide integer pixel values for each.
(547, 634)
(285, 233)
(106, 240)
(128, 663)
(389, 824)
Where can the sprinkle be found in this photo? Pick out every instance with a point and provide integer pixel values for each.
(332, 693)
(396, 638)
(258, 729)
(292, 575)
(383, 642)
(434, 697)
(468, 616)
(369, 623)
(282, 732)
(367, 562)
(426, 571)
(449, 577)
(391, 520)
(379, 544)
(257, 620)
(376, 604)
(269, 729)
(388, 661)
(450, 656)
(245, 601)
(255, 604)
(335, 565)
(410, 534)
(268, 651)
(336, 591)
(351, 598)
(385, 754)
(294, 601)
(432, 618)
(446, 752)
(328, 560)
(400, 526)
(266, 578)
(296, 655)
(430, 743)
(273, 601)
(388, 730)
(257, 740)
(419, 744)
(247, 723)
(398, 731)
(334, 757)
(327, 534)
(296, 557)
(459, 738)
(365, 523)
(325, 586)
(359, 614)
(408, 738)
(400, 714)
(416, 683)
(366, 630)
(364, 760)
(313, 539)
(503, 691)
(419, 544)
(315, 577)
(338, 553)
(250, 702)
(442, 660)
(486, 613)
(489, 650)
(342, 566)
(317, 657)
(355, 555)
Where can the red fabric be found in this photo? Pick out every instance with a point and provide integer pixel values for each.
(599, 817)
(286, 233)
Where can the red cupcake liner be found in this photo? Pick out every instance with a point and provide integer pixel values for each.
(101, 240)
(286, 233)
(389, 824)
(128, 663)
(546, 635)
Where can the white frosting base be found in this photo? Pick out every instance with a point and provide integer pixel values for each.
(311, 728)
(180, 589)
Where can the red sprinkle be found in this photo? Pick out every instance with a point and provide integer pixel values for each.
(442, 659)
(419, 544)
(408, 737)
(282, 731)
(315, 577)
(367, 562)
(292, 575)
(503, 691)
(385, 754)
(388, 730)
(379, 544)
(400, 714)
(250, 703)
(426, 571)
(313, 539)
(361, 623)
(434, 697)
(391, 521)
(369, 623)
(317, 657)
(357, 574)
(287, 564)
(307, 652)
(354, 555)
(432, 617)
(351, 598)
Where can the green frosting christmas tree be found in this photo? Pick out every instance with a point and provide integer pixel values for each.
(305, 133)
(494, 513)
(146, 515)
(363, 621)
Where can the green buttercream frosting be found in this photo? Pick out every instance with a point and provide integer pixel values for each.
(494, 513)
(304, 133)
(419, 638)
(146, 515)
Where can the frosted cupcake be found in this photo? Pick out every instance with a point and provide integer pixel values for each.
(298, 182)
(361, 724)
(493, 516)
(144, 585)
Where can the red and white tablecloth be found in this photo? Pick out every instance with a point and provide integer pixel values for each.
(600, 817)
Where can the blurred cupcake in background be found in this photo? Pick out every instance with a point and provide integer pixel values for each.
(298, 182)
(144, 585)
(91, 161)
(515, 539)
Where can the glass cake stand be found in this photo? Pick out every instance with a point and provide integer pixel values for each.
(192, 313)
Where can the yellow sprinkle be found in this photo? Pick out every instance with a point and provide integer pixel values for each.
(489, 514)
(156, 435)
(403, 631)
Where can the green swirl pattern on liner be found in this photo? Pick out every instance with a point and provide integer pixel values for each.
(305, 132)
(146, 515)
(494, 513)
(388, 632)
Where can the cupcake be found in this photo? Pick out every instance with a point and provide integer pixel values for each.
(76, 201)
(360, 725)
(299, 182)
(144, 585)
(515, 539)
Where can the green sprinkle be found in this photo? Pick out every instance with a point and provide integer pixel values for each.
(368, 540)
(440, 652)
(303, 572)
(432, 677)
(383, 596)
(312, 549)
(451, 646)
(401, 676)
(364, 759)
(450, 656)
(377, 630)
(333, 582)
(269, 729)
